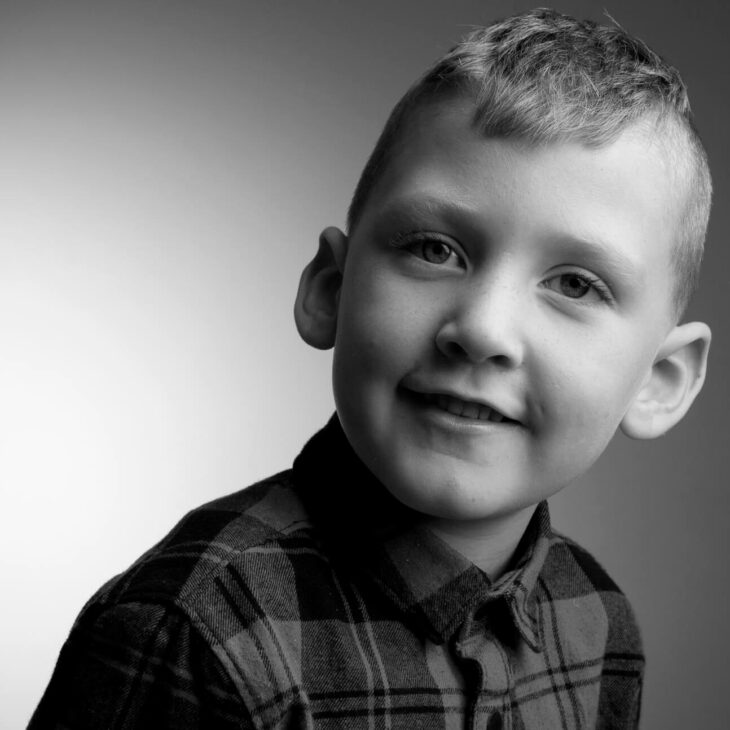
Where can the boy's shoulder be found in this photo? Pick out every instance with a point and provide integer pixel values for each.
(565, 551)
(151, 640)
(583, 594)
(182, 567)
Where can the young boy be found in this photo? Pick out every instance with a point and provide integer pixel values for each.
(520, 248)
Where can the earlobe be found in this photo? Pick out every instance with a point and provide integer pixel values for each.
(315, 308)
(674, 381)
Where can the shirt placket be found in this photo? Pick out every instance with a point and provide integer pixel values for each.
(488, 677)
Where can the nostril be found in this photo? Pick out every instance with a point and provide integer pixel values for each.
(477, 340)
(502, 361)
(453, 350)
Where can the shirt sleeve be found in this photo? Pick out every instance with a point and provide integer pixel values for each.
(623, 670)
(620, 696)
(137, 665)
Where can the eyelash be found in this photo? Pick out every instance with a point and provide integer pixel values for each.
(413, 241)
(414, 244)
(593, 282)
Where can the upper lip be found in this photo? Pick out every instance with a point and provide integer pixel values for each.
(508, 412)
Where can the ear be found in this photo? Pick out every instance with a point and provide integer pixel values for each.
(672, 384)
(315, 308)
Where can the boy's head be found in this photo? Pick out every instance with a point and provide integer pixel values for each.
(544, 77)
(507, 295)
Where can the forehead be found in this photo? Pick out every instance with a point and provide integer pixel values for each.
(441, 134)
(441, 159)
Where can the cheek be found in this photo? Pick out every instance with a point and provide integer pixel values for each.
(381, 325)
(366, 362)
(367, 342)
(591, 390)
(579, 421)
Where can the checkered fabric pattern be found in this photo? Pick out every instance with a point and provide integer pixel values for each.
(314, 600)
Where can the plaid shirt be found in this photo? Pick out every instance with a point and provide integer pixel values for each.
(314, 600)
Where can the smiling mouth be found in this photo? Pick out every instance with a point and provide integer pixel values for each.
(465, 409)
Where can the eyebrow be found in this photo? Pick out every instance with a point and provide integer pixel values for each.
(442, 206)
(599, 250)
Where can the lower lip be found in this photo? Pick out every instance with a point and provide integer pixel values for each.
(451, 421)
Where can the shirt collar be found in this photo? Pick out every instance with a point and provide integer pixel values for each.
(436, 587)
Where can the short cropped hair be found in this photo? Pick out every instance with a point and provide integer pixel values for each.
(541, 76)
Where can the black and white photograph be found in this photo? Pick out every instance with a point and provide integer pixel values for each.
(364, 365)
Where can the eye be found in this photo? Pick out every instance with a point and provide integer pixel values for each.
(578, 285)
(435, 251)
(432, 249)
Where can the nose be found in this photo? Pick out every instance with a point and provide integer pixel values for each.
(484, 323)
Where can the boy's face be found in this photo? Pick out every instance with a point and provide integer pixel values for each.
(488, 279)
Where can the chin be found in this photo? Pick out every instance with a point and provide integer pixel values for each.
(447, 497)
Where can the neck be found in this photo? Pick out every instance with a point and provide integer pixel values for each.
(489, 544)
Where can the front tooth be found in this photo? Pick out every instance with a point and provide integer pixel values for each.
(455, 406)
(496, 416)
(484, 413)
(471, 410)
(442, 401)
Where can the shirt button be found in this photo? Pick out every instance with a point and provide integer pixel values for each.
(495, 722)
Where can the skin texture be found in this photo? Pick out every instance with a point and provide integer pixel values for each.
(489, 275)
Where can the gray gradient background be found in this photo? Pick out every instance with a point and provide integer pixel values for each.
(165, 169)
